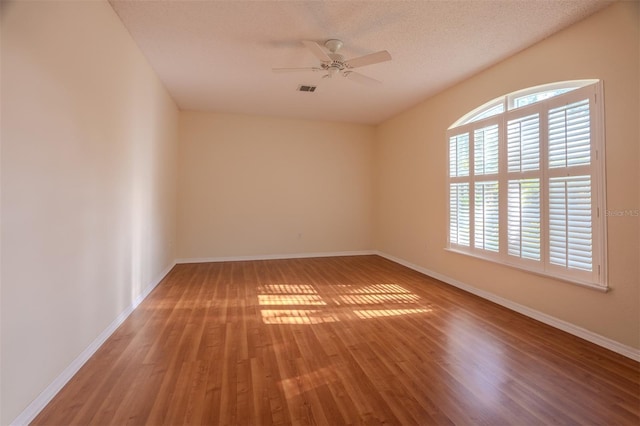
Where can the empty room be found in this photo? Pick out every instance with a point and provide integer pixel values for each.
(310, 212)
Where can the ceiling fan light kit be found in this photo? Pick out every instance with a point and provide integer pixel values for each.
(334, 64)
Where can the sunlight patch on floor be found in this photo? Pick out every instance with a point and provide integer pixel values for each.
(287, 289)
(371, 299)
(296, 316)
(377, 313)
(290, 299)
(303, 304)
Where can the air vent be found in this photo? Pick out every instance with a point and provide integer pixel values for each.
(304, 88)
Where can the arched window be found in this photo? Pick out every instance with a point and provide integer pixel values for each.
(526, 181)
(521, 98)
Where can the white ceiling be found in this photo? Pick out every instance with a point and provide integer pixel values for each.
(217, 55)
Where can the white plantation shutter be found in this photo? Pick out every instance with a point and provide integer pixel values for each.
(570, 135)
(485, 142)
(459, 155)
(523, 143)
(524, 218)
(486, 216)
(459, 197)
(459, 211)
(526, 185)
(523, 192)
(571, 193)
(570, 222)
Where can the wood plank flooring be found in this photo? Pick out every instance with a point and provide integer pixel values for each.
(332, 341)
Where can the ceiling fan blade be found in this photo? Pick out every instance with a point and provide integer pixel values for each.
(317, 50)
(370, 59)
(283, 70)
(362, 79)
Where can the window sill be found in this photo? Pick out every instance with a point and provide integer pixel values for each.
(591, 286)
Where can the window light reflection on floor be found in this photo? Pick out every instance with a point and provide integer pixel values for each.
(307, 380)
(296, 316)
(379, 298)
(303, 304)
(290, 299)
(377, 313)
(372, 288)
(287, 289)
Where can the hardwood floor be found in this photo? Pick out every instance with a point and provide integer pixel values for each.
(331, 341)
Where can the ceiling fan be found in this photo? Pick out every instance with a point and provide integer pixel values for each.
(334, 64)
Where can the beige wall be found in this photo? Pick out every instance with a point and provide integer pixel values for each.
(89, 139)
(267, 186)
(410, 220)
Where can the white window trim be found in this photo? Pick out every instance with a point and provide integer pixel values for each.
(529, 269)
(597, 280)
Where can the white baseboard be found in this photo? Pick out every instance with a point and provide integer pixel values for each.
(570, 328)
(276, 256)
(58, 383)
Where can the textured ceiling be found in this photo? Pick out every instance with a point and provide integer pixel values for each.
(218, 55)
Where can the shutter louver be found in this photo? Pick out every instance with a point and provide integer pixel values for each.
(459, 214)
(486, 216)
(524, 218)
(570, 219)
(485, 142)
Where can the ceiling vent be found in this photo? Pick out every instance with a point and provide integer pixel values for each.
(304, 88)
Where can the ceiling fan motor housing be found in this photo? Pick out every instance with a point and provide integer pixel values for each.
(337, 63)
(337, 60)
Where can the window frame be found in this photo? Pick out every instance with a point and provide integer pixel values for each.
(580, 89)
